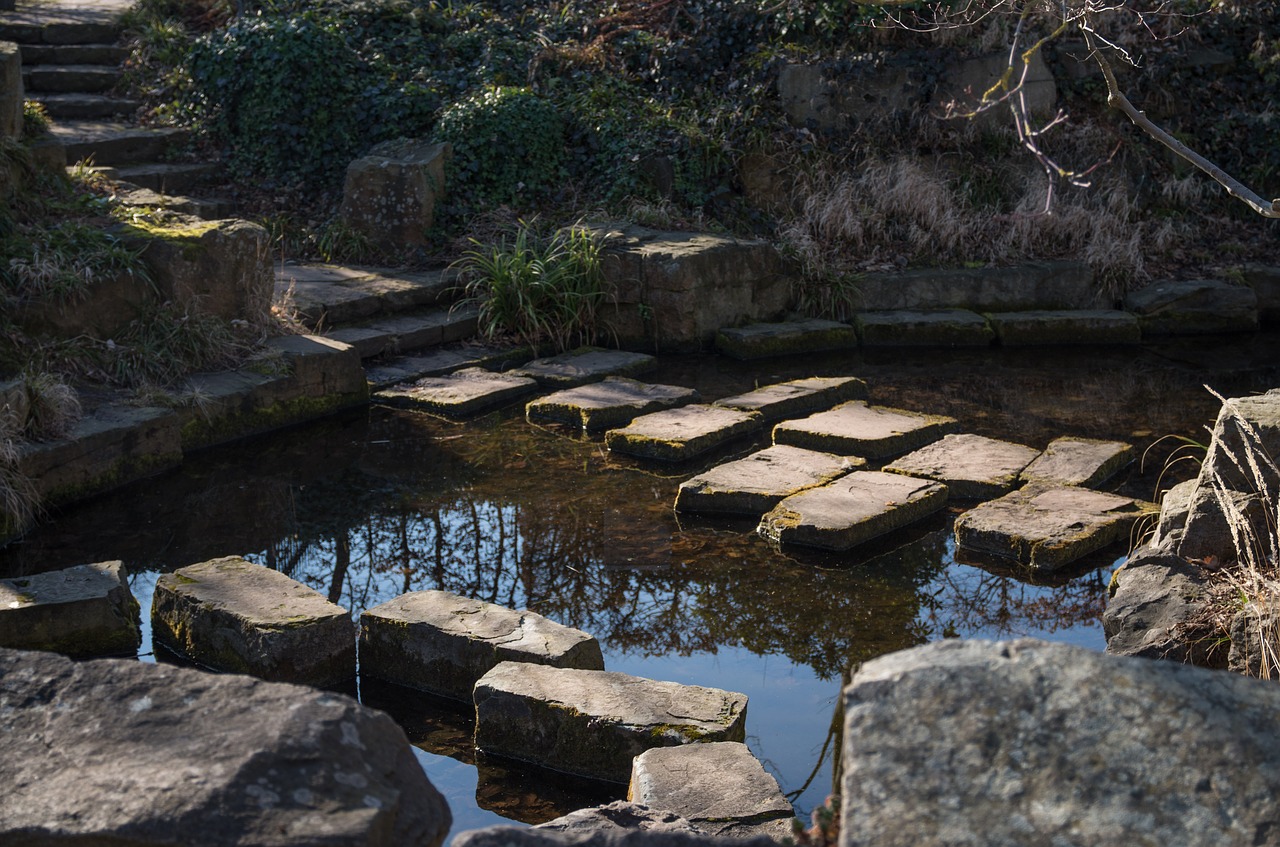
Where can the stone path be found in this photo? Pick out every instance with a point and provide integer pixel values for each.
(612, 402)
(754, 485)
(858, 429)
(972, 466)
(677, 435)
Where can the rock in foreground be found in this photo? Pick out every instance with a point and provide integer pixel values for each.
(1030, 743)
(124, 753)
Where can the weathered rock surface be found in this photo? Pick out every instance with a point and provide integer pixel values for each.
(797, 397)
(858, 429)
(852, 510)
(593, 723)
(86, 610)
(616, 818)
(1174, 509)
(233, 615)
(755, 484)
(463, 393)
(942, 328)
(1079, 326)
(1194, 307)
(971, 466)
(589, 364)
(329, 295)
(1079, 461)
(125, 753)
(603, 836)
(11, 93)
(440, 642)
(720, 788)
(762, 340)
(676, 435)
(1155, 610)
(1032, 285)
(1046, 527)
(1030, 743)
(612, 402)
(391, 192)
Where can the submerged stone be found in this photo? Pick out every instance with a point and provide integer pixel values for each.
(942, 328)
(759, 341)
(676, 435)
(852, 510)
(593, 723)
(86, 610)
(460, 394)
(1048, 526)
(440, 642)
(612, 402)
(972, 466)
(753, 485)
(857, 429)
(1079, 461)
(1077, 326)
(720, 788)
(232, 615)
(797, 397)
(589, 364)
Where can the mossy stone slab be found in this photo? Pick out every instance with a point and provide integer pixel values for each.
(611, 402)
(797, 397)
(941, 328)
(586, 365)
(755, 484)
(232, 615)
(763, 340)
(81, 611)
(460, 394)
(593, 723)
(443, 643)
(1046, 527)
(852, 510)
(1083, 326)
(972, 466)
(676, 435)
(1079, 461)
(1194, 307)
(858, 429)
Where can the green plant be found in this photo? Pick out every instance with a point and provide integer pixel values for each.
(35, 118)
(340, 242)
(54, 406)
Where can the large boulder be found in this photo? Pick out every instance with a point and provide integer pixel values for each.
(124, 753)
(1029, 743)
(1157, 609)
(390, 194)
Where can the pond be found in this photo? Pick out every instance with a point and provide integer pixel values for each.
(368, 505)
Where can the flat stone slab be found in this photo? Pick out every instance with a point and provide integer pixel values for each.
(337, 294)
(941, 328)
(392, 371)
(1085, 326)
(1047, 527)
(86, 610)
(440, 642)
(460, 394)
(760, 341)
(972, 466)
(797, 397)
(755, 484)
(1194, 307)
(852, 510)
(720, 787)
(232, 615)
(580, 367)
(1079, 461)
(593, 723)
(676, 435)
(858, 429)
(612, 402)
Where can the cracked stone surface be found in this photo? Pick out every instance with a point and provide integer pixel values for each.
(753, 485)
(442, 643)
(858, 429)
(971, 466)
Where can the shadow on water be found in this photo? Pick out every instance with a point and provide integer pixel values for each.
(366, 506)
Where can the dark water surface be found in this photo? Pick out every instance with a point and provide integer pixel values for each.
(369, 505)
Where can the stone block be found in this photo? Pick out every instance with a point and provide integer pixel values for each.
(852, 510)
(677, 435)
(81, 611)
(1194, 307)
(612, 402)
(593, 723)
(1031, 285)
(11, 90)
(797, 397)
(443, 643)
(391, 193)
(753, 485)
(1175, 507)
(1079, 461)
(233, 615)
(1157, 609)
(941, 328)
(764, 340)
(461, 394)
(1076, 326)
(586, 365)
(971, 466)
(858, 429)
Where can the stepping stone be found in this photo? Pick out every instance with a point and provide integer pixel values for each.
(1194, 307)
(86, 610)
(590, 364)
(442, 643)
(943, 328)
(205, 208)
(1047, 527)
(409, 332)
(972, 466)
(719, 787)
(335, 294)
(612, 402)
(857, 429)
(178, 178)
(797, 397)
(676, 435)
(233, 615)
(759, 341)
(390, 372)
(1079, 461)
(1099, 326)
(593, 723)
(755, 484)
(852, 510)
(460, 394)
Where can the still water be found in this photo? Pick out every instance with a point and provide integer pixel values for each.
(368, 505)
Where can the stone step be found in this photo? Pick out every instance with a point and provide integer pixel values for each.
(29, 26)
(586, 365)
(755, 484)
(797, 397)
(402, 333)
(73, 54)
(461, 394)
(858, 429)
(334, 295)
(166, 178)
(205, 208)
(940, 328)
(77, 106)
(1081, 326)
(115, 143)
(763, 340)
(67, 79)
(678, 435)
(972, 467)
(396, 370)
(612, 402)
